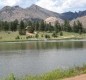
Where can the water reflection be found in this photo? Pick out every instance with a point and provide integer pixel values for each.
(36, 57)
(43, 45)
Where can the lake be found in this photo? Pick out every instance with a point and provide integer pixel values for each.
(37, 57)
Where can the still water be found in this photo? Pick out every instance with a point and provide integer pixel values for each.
(37, 57)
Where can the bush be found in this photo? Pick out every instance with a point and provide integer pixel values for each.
(54, 35)
(61, 33)
(17, 37)
(28, 37)
(47, 36)
(36, 36)
(22, 32)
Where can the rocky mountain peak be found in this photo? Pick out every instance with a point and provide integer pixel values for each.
(36, 12)
(33, 6)
(16, 7)
(6, 8)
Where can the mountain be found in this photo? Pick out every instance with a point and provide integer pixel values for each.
(11, 13)
(69, 15)
(53, 20)
(72, 15)
(81, 19)
(33, 12)
(37, 12)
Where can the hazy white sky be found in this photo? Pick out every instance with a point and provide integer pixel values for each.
(53, 5)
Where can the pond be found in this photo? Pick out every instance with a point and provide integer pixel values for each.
(37, 57)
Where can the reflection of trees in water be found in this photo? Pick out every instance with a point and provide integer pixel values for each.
(70, 44)
(43, 45)
(79, 44)
(57, 45)
(11, 46)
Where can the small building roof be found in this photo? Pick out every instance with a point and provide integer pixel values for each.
(27, 27)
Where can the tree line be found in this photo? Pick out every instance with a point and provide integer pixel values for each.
(15, 25)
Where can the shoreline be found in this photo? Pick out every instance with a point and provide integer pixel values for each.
(78, 77)
(15, 37)
(46, 40)
(58, 74)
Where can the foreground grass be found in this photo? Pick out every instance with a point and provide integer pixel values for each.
(54, 75)
(11, 36)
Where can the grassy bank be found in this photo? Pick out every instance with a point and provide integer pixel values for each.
(14, 36)
(54, 75)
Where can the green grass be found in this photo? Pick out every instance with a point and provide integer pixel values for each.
(11, 36)
(54, 75)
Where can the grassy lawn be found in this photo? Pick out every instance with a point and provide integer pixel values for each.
(11, 36)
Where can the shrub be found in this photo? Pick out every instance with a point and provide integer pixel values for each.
(36, 36)
(28, 37)
(17, 37)
(61, 33)
(22, 32)
(54, 34)
(47, 36)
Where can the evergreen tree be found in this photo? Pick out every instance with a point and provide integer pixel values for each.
(42, 26)
(46, 27)
(22, 25)
(50, 27)
(67, 26)
(75, 27)
(6, 26)
(29, 23)
(15, 23)
(0, 25)
(80, 27)
(36, 26)
(22, 28)
(57, 27)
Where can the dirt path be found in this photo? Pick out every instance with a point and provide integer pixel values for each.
(81, 77)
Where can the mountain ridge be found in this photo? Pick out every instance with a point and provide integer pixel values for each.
(35, 12)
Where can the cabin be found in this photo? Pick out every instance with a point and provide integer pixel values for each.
(29, 30)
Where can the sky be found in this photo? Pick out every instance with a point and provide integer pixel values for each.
(58, 6)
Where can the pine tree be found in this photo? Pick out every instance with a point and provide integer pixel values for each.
(42, 26)
(36, 26)
(67, 26)
(22, 28)
(6, 26)
(75, 27)
(50, 27)
(22, 25)
(80, 27)
(57, 27)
